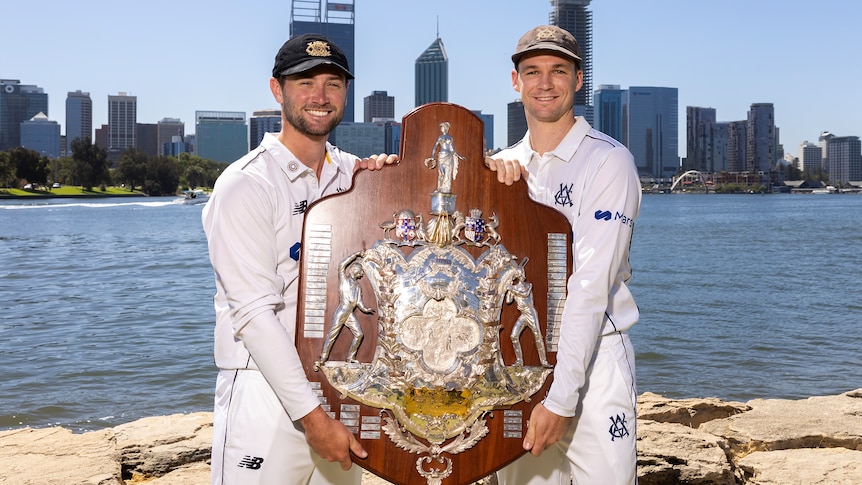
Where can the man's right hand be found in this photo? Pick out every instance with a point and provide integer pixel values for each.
(330, 439)
(544, 429)
(508, 171)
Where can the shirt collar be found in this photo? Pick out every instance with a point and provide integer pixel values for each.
(567, 147)
(291, 165)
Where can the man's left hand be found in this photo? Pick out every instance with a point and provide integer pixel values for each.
(375, 162)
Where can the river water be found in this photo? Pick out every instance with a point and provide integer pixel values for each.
(106, 305)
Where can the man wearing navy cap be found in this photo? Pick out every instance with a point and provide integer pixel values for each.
(583, 432)
(268, 425)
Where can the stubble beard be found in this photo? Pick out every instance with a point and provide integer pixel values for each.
(294, 118)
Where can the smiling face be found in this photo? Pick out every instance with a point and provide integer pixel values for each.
(312, 102)
(547, 84)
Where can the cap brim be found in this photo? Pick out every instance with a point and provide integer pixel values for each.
(311, 64)
(545, 47)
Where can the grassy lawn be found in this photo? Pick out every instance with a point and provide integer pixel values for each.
(70, 191)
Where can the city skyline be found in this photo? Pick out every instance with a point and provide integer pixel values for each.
(201, 56)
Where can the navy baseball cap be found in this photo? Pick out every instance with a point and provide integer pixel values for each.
(307, 51)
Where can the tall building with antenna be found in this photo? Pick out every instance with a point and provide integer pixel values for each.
(335, 20)
(573, 16)
(432, 73)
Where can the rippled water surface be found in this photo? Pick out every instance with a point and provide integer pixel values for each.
(106, 306)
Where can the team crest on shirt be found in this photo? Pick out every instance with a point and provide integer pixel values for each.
(563, 196)
(618, 427)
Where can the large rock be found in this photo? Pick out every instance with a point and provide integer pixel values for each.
(673, 453)
(689, 441)
(56, 456)
(836, 466)
(690, 412)
(777, 424)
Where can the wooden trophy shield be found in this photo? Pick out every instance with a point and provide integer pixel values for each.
(430, 303)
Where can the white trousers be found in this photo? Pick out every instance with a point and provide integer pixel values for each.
(256, 443)
(601, 447)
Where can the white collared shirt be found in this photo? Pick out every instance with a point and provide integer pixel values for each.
(253, 222)
(592, 180)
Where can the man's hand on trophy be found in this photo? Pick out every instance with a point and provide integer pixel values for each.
(544, 428)
(508, 171)
(375, 162)
(330, 439)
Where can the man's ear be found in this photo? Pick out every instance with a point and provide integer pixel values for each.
(275, 87)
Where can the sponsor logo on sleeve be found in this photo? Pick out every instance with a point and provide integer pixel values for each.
(605, 215)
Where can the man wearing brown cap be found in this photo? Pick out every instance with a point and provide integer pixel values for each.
(268, 426)
(584, 430)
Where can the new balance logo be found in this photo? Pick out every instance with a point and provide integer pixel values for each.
(251, 462)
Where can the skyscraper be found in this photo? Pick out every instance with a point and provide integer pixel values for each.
(654, 130)
(736, 146)
(79, 116)
(760, 138)
(166, 130)
(334, 20)
(147, 138)
(611, 111)
(221, 136)
(18, 103)
(699, 124)
(378, 105)
(487, 129)
(362, 139)
(516, 126)
(844, 159)
(810, 157)
(573, 16)
(262, 122)
(432, 74)
(122, 124)
(41, 135)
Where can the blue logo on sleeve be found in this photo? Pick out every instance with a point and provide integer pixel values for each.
(294, 251)
(625, 220)
(603, 215)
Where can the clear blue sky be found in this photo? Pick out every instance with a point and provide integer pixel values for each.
(180, 56)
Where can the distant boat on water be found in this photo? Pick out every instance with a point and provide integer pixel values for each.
(826, 190)
(191, 197)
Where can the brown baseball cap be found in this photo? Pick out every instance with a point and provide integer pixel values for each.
(547, 38)
(304, 52)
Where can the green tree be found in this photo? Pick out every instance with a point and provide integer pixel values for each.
(792, 173)
(29, 165)
(7, 172)
(162, 176)
(199, 172)
(90, 163)
(63, 168)
(132, 168)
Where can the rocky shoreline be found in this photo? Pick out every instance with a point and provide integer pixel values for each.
(680, 441)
